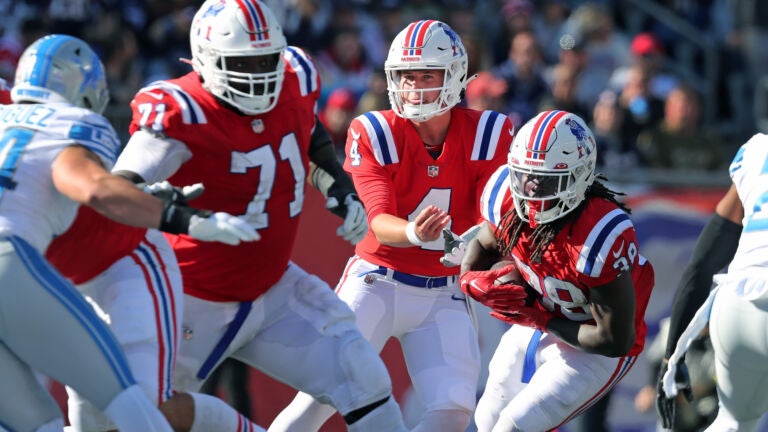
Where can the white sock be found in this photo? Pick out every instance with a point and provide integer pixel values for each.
(132, 411)
(213, 414)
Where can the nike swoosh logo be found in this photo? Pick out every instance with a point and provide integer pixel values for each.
(355, 135)
(158, 96)
(618, 252)
(441, 49)
(477, 287)
(511, 131)
(454, 297)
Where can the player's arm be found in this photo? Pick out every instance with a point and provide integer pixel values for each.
(714, 249)
(150, 157)
(327, 175)
(481, 252)
(79, 174)
(613, 309)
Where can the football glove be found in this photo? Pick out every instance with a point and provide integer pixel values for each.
(529, 316)
(455, 246)
(221, 227)
(483, 287)
(176, 195)
(665, 405)
(355, 224)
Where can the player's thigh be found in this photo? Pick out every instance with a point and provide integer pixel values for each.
(24, 403)
(45, 318)
(561, 382)
(307, 322)
(372, 299)
(441, 351)
(204, 343)
(739, 332)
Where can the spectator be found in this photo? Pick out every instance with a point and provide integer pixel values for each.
(614, 154)
(680, 141)
(337, 115)
(486, 92)
(648, 51)
(640, 109)
(525, 81)
(565, 79)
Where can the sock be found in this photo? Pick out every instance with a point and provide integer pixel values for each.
(213, 414)
(132, 411)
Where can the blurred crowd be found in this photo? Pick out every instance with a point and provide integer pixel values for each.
(667, 84)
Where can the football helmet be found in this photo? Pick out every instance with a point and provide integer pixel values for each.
(426, 44)
(225, 32)
(61, 68)
(551, 164)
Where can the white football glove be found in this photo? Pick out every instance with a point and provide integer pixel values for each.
(222, 227)
(456, 245)
(165, 190)
(355, 224)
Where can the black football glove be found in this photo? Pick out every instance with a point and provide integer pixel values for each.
(666, 405)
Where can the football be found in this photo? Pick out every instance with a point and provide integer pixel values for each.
(512, 276)
(515, 277)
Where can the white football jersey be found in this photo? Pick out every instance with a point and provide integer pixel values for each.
(749, 172)
(31, 137)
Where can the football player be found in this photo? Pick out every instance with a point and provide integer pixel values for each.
(419, 168)
(578, 320)
(737, 307)
(57, 148)
(714, 249)
(243, 123)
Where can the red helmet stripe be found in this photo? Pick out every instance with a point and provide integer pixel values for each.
(254, 18)
(541, 133)
(414, 38)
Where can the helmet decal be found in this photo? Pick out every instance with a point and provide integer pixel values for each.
(581, 135)
(414, 37)
(254, 19)
(542, 134)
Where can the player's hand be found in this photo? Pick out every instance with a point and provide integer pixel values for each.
(355, 224)
(529, 316)
(454, 249)
(176, 195)
(665, 404)
(221, 227)
(484, 287)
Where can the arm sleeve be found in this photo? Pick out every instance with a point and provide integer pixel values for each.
(714, 249)
(329, 176)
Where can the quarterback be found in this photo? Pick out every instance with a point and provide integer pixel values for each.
(419, 168)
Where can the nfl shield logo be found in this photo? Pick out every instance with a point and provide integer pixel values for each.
(257, 126)
(432, 170)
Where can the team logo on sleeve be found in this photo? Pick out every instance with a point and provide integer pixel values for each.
(433, 170)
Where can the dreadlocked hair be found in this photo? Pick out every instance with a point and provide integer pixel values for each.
(511, 226)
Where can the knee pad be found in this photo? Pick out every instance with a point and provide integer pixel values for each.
(366, 379)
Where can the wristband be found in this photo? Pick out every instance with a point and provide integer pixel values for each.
(410, 232)
(175, 218)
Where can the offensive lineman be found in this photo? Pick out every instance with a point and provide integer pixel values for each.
(241, 123)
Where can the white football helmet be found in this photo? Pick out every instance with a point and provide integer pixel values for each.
(551, 164)
(426, 44)
(61, 68)
(223, 30)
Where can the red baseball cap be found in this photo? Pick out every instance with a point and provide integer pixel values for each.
(645, 44)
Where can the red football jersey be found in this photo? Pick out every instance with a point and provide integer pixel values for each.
(587, 252)
(394, 174)
(5, 93)
(251, 165)
(91, 245)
